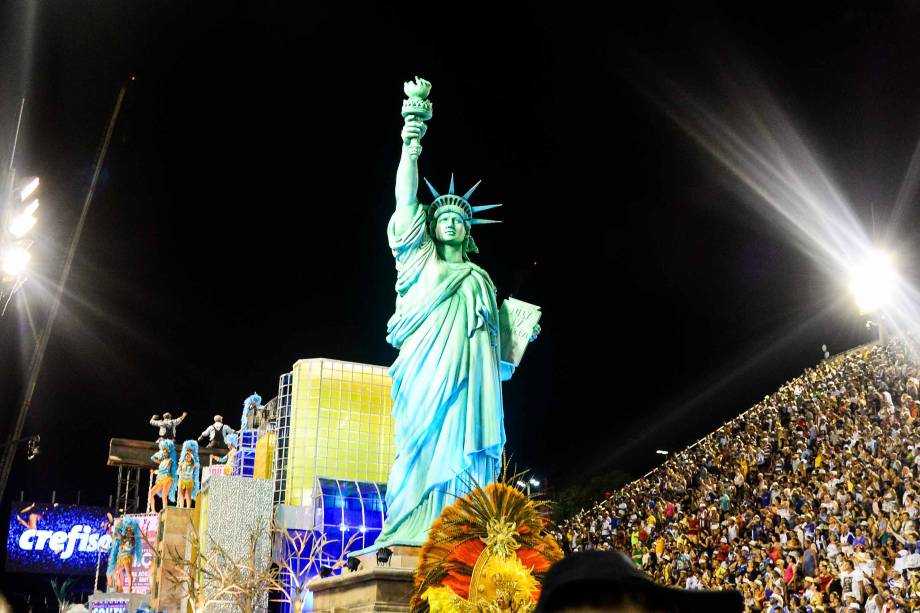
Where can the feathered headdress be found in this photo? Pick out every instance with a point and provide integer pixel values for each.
(192, 445)
(256, 400)
(168, 446)
(116, 543)
(120, 529)
(488, 550)
(133, 524)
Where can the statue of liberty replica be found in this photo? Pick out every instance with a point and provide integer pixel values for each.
(447, 379)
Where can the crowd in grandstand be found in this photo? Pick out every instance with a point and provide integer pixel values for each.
(806, 502)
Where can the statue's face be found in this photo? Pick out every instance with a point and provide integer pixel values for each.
(450, 229)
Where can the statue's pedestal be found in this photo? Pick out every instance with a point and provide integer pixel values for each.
(372, 588)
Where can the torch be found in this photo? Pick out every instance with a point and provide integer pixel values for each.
(416, 106)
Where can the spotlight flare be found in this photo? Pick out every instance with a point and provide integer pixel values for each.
(15, 260)
(872, 282)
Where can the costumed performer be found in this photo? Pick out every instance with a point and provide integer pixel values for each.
(252, 413)
(216, 433)
(167, 476)
(232, 441)
(189, 474)
(167, 425)
(125, 553)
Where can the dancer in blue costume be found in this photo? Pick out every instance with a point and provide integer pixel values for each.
(124, 554)
(447, 379)
(167, 476)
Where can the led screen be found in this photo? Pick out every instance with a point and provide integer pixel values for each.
(61, 539)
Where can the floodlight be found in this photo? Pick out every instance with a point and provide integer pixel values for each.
(325, 571)
(353, 563)
(872, 282)
(533, 482)
(23, 222)
(29, 186)
(661, 452)
(15, 260)
(521, 483)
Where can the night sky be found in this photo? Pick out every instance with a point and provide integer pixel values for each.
(240, 221)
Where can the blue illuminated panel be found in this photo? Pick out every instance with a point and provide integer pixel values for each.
(349, 514)
(244, 461)
(61, 539)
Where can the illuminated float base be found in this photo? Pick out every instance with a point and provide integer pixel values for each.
(116, 602)
(384, 588)
(231, 511)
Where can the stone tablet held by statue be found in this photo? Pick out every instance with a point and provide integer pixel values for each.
(516, 321)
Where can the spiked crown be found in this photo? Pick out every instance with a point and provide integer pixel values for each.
(451, 202)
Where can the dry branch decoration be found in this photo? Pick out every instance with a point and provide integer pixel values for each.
(213, 579)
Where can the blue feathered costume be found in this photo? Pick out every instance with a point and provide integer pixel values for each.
(190, 473)
(167, 470)
(126, 546)
(250, 405)
(233, 442)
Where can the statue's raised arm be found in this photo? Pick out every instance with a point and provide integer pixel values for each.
(416, 110)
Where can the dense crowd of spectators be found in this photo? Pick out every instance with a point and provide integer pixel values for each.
(806, 502)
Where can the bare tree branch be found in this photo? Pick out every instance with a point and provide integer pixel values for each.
(215, 577)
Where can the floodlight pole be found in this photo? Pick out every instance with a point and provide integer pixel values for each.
(39, 355)
(6, 206)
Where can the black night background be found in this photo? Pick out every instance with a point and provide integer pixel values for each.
(239, 224)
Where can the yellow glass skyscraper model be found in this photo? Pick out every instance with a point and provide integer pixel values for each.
(334, 420)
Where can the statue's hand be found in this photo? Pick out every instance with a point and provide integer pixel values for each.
(535, 333)
(413, 128)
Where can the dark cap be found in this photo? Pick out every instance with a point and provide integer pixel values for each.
(600, 579)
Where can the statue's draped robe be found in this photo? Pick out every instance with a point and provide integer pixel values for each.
(446, 388)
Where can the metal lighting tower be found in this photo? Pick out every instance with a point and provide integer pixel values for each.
(38, 357)
(17, 209)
